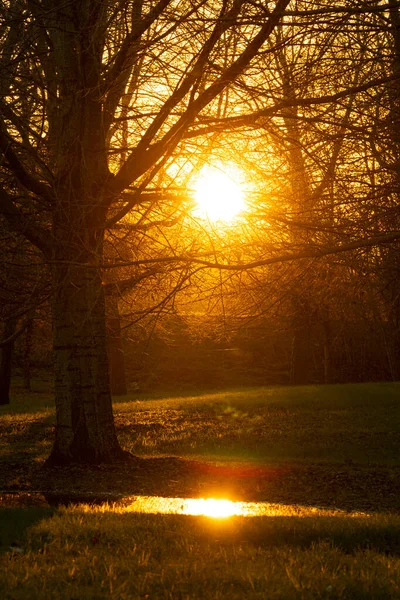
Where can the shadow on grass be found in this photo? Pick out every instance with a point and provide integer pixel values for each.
(27, 438)
(348, 534)
(171, 534)
(15, 521)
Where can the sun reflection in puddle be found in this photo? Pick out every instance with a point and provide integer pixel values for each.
(219, 508)
(213, 508)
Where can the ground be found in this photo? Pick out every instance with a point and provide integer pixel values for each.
(326, 455)
(332, 446)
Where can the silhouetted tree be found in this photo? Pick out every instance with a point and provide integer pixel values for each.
(73, 72)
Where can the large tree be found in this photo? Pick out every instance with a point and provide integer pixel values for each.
(74, 74)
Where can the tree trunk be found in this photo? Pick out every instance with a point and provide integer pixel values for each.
(302, 360)
(301, 301)
(392, 346)
(327, 343)
(84, 421)
(6, 362)
(27, 353)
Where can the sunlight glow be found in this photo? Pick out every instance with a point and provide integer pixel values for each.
(218, 194)
(213, 508)
(221, 508)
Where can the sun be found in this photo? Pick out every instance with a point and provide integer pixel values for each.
(218, 194)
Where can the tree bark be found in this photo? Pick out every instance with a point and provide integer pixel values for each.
(302, 359)
(84, 421)
(6, 362)
(327, 344)
(27, 353)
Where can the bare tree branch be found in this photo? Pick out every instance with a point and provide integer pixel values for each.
(141, 159)
(23, 225)
(27, 180)
(252, 119)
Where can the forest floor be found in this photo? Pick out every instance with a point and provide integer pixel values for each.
(326, 457)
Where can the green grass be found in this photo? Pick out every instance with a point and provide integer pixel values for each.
(313, 424)
(15, 521)
(107, 552)
(40, 398)
(356, 423)
(347, 431)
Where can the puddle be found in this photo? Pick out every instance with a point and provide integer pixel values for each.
(220, 508)
(210, 507)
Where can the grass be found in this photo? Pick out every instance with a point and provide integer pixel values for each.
(357, 423)
(312, 424)
(108, 552)
(332, 446)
